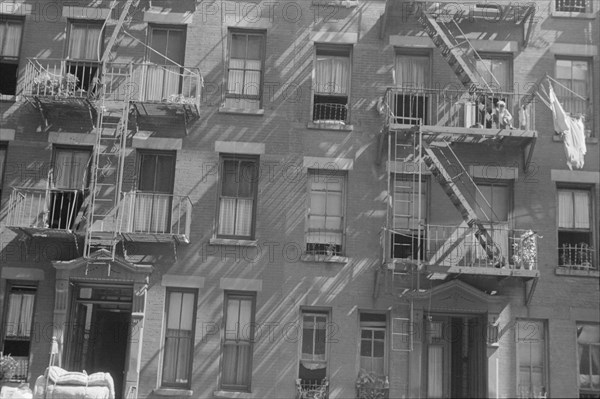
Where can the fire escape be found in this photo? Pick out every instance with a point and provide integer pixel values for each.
(109, 101)
(421, 128)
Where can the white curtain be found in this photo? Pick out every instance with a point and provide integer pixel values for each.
(237, 348)
(244, 77)
(10, 35)
(332, 74)
(235, 82)
(325, 210)
(412, 71)
(178, 338)
(435, 371)
(235, 216)
(573, 209)
(20, 315)
(162, 81)
(70, 169)
(152, 213)
(83, 41)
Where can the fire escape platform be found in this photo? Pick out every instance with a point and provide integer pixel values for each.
(156, 238)
(46, 232)
(510, 137)
(63, 108)
(441, 272)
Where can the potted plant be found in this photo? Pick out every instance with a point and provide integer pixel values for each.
(48, 84)
(8, 366)
(525, 251)
(371, 386)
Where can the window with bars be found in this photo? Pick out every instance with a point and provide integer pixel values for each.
(331, 97)
(575, 234)
(573, 5)
(246, 65)
(11, 30)
(236, 369)
(237, 197)
(17, 330)
(180, 315)
(575, 89)
(588, 359)
(325, 214)
(531, 359)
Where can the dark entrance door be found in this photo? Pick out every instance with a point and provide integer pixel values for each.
(454, 356)
(98, 342)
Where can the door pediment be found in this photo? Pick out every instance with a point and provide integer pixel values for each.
(457, 296)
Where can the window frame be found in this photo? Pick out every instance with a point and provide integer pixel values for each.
(71, 148)
(238, 158)
(5, 20)
(585, 391)
(510, 59)
(140, 153)
(87, 22)
(413, 52)
(589, 9)
(509, 184)
(190, 367)
(386, 340)
(545, 354)
(262, 34)
(315, 311)
(165, 27)
(25, 285)
(592, 230)
(589, 122)
(348, 49)
(240, 295)
(327, 174)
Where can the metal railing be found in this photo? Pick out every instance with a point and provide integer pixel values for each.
(577, 256)
(326, 242)
(44, 208)
(461, 246)
(330, 113)
(156, 214)
(138, 82)
(455, 108)
(312, 389)
(573, 5)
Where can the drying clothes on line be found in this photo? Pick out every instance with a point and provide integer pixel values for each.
(571, 131)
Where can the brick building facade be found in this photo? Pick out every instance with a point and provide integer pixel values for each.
(266, 236)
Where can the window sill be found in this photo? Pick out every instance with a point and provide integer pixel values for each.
(577, 15)
(324, 258)
(241, 111)
(232, 241)
(564, 271)
(173, 392)
(341, 3)
(330, 126)
(231, 394)
(6, 97)
(588, 140)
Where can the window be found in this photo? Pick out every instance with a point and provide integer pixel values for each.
(11, 30)
(236, 370)
(237, 197)
(155, 192)
(2, 166)
(313, 357)
(412, 72)
(69, 182)
(332, 84)
(373, 343)
(18, 322)
(405, 238)
(164, 78)
(180, 315)
(496, 71)
(84, 50)
(246, 65)
(494, 201)
(575, 94)
(588, 360)
(575, 229)
(573, 5)
(325, 216)
(531, 359)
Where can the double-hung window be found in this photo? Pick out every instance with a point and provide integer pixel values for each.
(314, 351)
(18, 322)
(84, 50)
(237, 197)
(236, 370)
(166, 53)
(373, 343)
(575, 234)
(331, 100)
(245, 69)
(575, 90)
(588, 360)
(180, 321)
(11, 30)
(531, 359)
(325, 216)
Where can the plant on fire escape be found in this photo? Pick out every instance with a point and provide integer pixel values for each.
(8, 366)
(48, 84)
(371, 386)
(525, 250)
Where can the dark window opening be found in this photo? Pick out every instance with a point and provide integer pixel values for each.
(575, 249)
(63, 208)
(408, 246)
(411, 109)
(8, 83)
(324, 249)
(87, 75)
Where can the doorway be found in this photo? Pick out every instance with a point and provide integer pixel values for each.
(454, 356)
(100, 321)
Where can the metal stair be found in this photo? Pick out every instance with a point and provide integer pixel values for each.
(458, 53)
(455, 180)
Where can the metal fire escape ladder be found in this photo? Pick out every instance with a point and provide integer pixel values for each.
(458, 53)
(108, 158)
(441, 162)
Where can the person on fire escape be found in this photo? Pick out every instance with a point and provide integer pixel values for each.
(502, 118)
